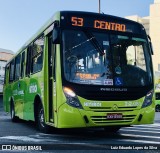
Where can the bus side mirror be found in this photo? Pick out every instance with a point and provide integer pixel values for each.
(56, 34)
(150, 45)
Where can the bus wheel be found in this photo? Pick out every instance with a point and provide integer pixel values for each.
(158, 108)
(112, 129)
(12, 112)
(41, 120)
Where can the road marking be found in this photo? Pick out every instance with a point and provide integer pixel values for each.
(141, 128)
(148, 125)
(139, 131)
(143, 136)
(152, 129)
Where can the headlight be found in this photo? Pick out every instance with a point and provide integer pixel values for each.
(71, 97)
(148, 99)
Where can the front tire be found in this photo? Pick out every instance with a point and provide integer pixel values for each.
(41, 120)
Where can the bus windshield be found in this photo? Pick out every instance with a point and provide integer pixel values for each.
(106, 59)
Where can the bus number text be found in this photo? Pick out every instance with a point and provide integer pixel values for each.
(77, 21)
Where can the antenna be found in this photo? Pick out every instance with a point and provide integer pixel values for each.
(99, 6)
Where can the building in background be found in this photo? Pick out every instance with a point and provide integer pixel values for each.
(5, 55)
(152, 26)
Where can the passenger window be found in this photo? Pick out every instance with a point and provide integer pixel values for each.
(37, 55)
(11, 75)
(135, 56)
(6, 77)
(22, 64)
(28, 64)
(17, 67)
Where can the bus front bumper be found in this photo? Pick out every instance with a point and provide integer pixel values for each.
(70, 117)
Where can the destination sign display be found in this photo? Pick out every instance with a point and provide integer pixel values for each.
(104, 22)
(99, 24)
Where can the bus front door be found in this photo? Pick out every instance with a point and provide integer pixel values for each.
(51, 79)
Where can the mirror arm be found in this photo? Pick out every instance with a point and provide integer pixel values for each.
(56, 32)
(150, 44)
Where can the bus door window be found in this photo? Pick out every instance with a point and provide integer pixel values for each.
(51, 78)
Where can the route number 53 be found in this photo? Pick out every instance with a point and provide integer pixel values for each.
(77, 21)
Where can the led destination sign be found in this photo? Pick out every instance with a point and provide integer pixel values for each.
(78, 20)
(99, 24)
(109, 25)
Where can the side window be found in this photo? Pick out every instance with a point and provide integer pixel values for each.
(17, 67)
(6, 74)
(135, 56)
(11, 74)
(37, 55)
(28, 63)
(22, 64)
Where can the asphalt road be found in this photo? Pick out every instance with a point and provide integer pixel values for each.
(24, 134)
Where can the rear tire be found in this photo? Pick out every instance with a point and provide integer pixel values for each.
(41, 125)
(12, 112)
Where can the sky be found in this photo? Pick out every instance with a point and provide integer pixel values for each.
(21, 19)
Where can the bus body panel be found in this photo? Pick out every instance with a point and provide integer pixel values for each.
(7, 98)
(18, 103)
(33, 89)
(68, 115)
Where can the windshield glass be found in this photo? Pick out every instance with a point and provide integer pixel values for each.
(104, 59)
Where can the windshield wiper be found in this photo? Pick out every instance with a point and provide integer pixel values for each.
(94, 42)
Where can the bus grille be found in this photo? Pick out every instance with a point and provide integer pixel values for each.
(109, 109)
(103, 119)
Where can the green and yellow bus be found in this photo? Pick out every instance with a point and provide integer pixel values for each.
(81, 70)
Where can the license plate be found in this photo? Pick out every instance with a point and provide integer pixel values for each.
(114, 116)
